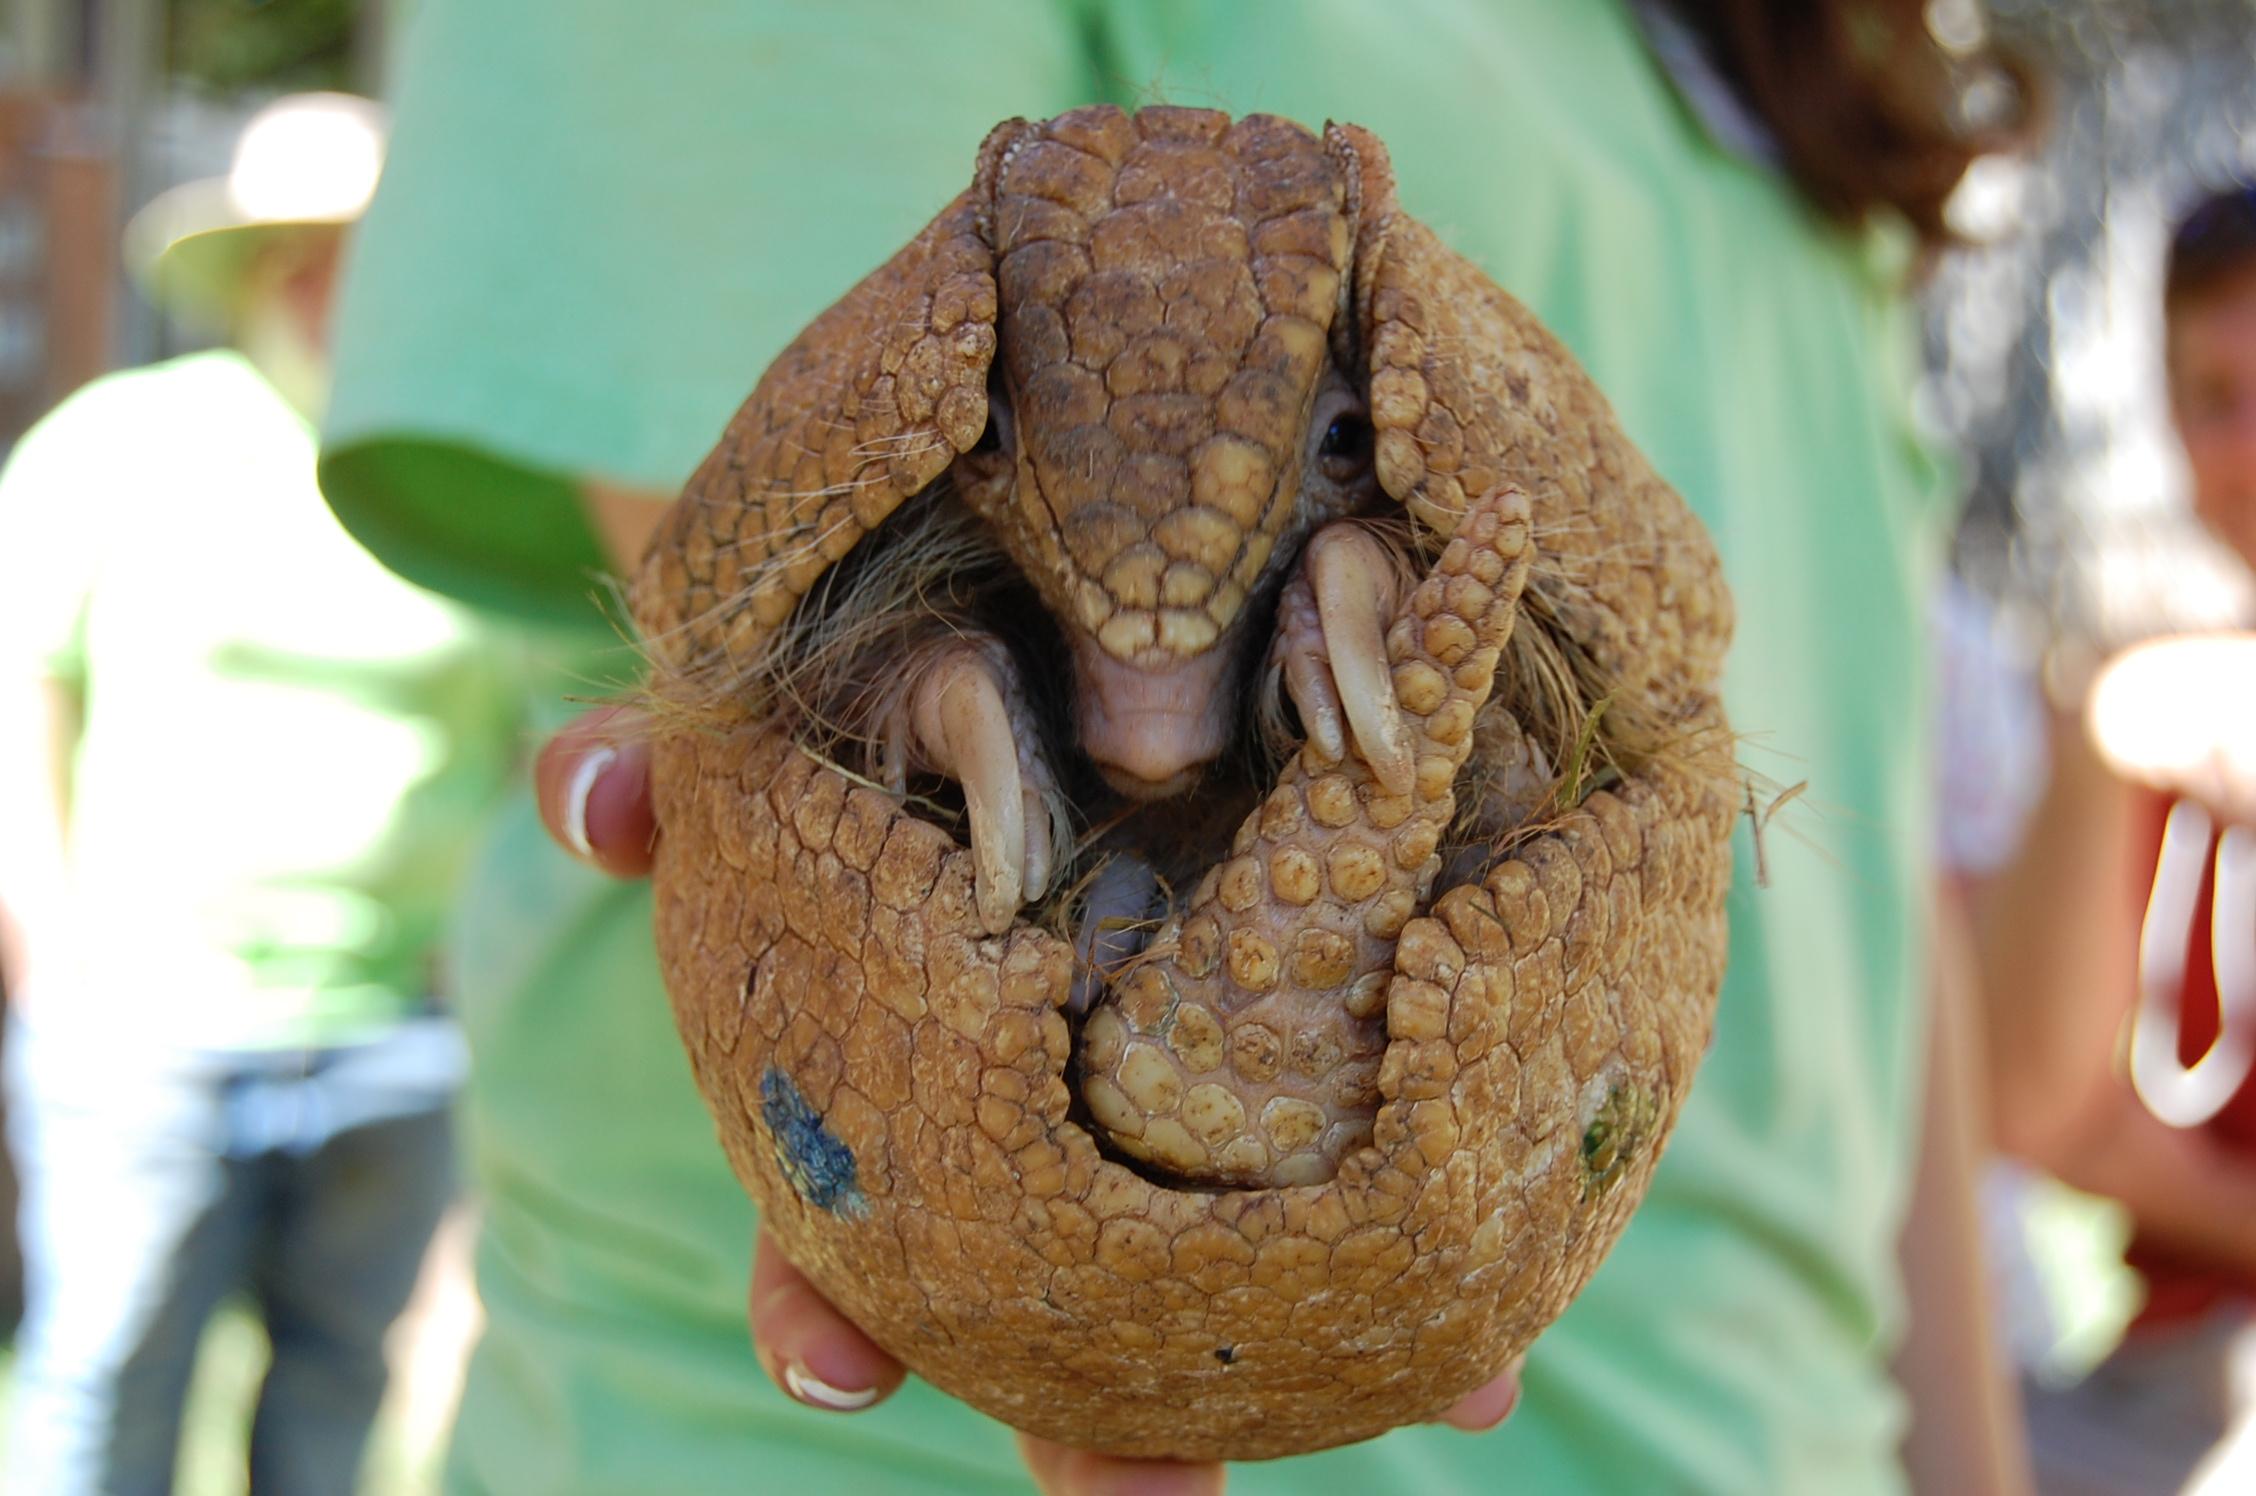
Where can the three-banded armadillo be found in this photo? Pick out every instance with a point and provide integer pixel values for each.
(1168, 424)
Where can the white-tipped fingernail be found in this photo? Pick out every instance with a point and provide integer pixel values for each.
(584, 775)
(815, 1392)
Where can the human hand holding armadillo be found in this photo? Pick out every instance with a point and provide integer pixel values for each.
(1176, 513)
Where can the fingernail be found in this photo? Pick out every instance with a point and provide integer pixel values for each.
(817, 1393)
(584, 775)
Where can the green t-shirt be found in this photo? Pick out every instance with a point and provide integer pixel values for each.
(601, 220)
(286, 750)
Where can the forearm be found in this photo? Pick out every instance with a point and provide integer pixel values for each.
(38, 723)
(1965, 1433)
(2184, 1191)
(2056, 952)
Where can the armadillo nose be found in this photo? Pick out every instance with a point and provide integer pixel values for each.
(1135, 784)
(1150, 729)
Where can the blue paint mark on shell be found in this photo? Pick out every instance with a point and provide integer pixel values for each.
(819, 1166)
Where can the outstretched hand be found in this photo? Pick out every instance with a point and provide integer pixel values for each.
(2179, 714)
(593, 780)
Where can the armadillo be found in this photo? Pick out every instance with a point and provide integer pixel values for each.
(1196, 809)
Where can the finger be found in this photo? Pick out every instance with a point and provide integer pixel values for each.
(1489, 1404)
(1060, 1470)
(593, 781)
(1354, 583)
(811, 1350)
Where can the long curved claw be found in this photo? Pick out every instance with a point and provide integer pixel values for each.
(1356, 585)
(961, 716)
(963, 727)
(1298, 654)
(1040, 840)
(1331, 644)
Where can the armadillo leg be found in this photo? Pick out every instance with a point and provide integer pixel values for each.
(1246, 1048)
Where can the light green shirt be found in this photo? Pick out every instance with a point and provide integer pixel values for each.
(601, 220)
(286, 750)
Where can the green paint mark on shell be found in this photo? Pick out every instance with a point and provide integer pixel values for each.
(1617, 1137)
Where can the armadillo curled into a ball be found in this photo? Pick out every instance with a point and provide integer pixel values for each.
(1195, 811)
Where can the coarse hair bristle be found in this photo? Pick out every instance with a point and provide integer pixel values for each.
(834, 670)
(841, 657)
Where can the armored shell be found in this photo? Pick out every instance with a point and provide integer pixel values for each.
(898, 1088)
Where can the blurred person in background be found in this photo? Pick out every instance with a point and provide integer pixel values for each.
(2117, 950)
(240, 765)
(602, 221)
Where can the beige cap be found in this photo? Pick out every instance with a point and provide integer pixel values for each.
(306, 160)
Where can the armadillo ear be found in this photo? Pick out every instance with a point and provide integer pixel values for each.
(865, 408)
(1450, 357)
(1468, 393)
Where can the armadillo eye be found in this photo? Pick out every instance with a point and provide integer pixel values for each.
(1346, 447)
(1347, 436)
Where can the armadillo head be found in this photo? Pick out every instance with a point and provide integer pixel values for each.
(1166, 413)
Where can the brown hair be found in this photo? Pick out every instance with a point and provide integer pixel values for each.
(2213, 245)
(1870, 110)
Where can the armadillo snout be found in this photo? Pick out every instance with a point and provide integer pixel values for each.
(1149, 730)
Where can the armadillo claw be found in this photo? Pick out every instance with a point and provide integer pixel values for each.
(964, 720)
(1331, 648)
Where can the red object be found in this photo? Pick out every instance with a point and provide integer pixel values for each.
(2181, 1288)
